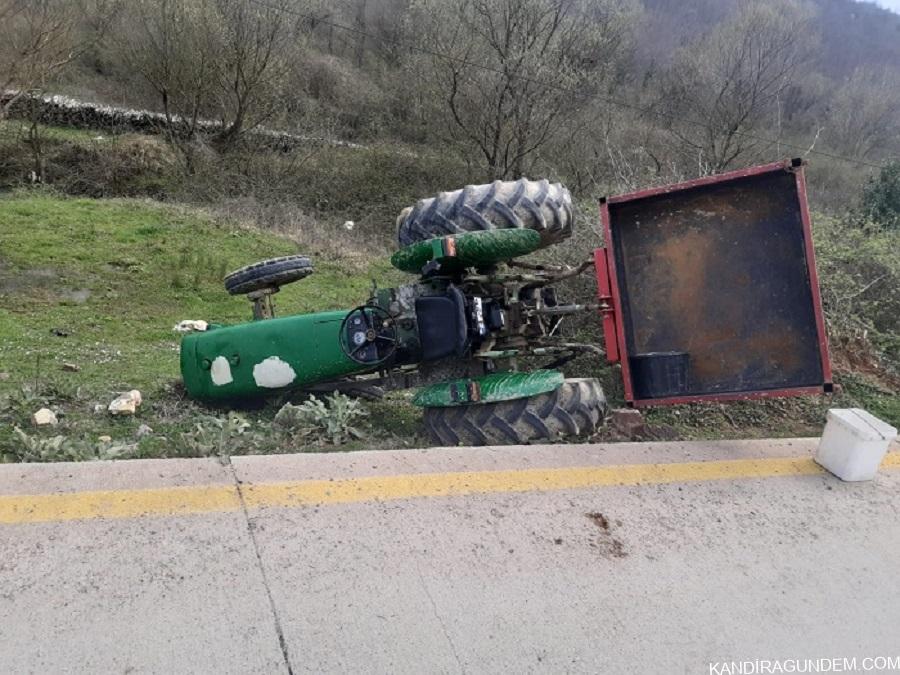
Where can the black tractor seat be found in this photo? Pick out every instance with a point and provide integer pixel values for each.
(443, 328)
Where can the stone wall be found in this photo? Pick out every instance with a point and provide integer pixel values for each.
(63, 111)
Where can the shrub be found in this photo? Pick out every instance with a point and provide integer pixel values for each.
(128, 166)
(881, 198)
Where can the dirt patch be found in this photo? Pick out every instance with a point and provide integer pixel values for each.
(16, 281)
(856, 354)
(611, 548)
(38, 282)
(599, 520)
(608, 545)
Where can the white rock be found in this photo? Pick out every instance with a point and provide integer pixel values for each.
(104, 439)
(125, 404)
(349, 225)
(143, 430)
(44, 417)
(191, 325)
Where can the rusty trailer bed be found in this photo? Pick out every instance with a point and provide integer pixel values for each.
(709, 289)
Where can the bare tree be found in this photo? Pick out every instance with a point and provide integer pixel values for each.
(726, 84)
(40, 37)
(172, 45)
(253, 62)
(505, 90)
(219, 59)
(863, 116)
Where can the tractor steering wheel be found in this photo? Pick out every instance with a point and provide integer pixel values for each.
(368, 335)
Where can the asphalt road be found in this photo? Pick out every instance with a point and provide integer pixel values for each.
(627, 558)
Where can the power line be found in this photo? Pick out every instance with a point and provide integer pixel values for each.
(555, 87)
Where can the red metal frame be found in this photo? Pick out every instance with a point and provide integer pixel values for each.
(785, 165)
(607, 312)
(813, 275)
(608, 285)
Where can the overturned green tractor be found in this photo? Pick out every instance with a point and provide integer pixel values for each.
(458, 331)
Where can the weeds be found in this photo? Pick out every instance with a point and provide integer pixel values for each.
(233, 434)
(59, 448)
(320, 421)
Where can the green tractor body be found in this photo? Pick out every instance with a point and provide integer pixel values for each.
(456, 331)
(430, 322)
(253, 359)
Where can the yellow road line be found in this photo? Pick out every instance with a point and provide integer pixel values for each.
(376, 488)
(118, 503)
(223, 498)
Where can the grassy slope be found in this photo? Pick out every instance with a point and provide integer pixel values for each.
(143, 268)
(116, 276)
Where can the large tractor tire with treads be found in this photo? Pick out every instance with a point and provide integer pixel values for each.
(574, 408)
(537, 205)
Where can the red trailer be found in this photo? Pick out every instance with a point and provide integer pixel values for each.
(708, 289)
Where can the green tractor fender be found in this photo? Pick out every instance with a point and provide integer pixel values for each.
(472, 249)
(488, 389)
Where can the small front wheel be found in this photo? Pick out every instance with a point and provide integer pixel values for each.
(268, 274)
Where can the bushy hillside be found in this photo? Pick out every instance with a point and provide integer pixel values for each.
(853, 34)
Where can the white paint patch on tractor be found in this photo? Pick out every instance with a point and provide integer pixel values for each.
(221, 371)
(273, 373)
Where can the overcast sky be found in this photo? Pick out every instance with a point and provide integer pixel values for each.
(893, 5)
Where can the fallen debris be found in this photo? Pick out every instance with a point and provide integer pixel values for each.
(44, 417)
(628, 422)
(71, 367)
(190, 325)
(143, 430)
(125, 404)
(104, 439)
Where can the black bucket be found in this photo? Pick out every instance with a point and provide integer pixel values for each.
(659, 374)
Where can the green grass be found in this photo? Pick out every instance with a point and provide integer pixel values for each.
(115, 277)
(142, 269)
(19, 129)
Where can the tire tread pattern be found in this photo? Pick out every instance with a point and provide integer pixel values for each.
(538, 205)
(576, 407)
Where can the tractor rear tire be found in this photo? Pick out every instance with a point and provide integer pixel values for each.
(268, 273)
(574, 408)
(536, 205)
